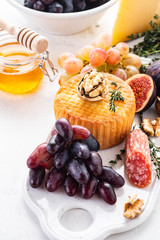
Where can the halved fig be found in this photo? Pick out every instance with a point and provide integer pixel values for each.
(144, 89)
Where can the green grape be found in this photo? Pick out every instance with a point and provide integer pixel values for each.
(113, 56)
(87, 68)
(132, 59)
(97, 57)
(119, 72)
(131, 70)
(63, 57)
(83, 53)
(64, 77)
(104, 41)
(123, 48)
(73, 65)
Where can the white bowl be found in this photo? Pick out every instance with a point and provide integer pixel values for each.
(62, 23)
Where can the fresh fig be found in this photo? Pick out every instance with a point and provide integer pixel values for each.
(144, 89)
(154, 71)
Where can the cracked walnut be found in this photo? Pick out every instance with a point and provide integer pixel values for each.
(151, 128)
(133, 207)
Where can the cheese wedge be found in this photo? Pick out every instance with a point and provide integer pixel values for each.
(108, 127)
(133, 16)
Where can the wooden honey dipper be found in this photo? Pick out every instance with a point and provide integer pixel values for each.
(26, 37)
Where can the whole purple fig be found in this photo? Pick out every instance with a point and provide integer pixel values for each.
(154, 72)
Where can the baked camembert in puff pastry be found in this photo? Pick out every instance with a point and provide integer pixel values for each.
(85, 100)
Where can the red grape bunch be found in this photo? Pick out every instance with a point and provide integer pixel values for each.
(70, 158)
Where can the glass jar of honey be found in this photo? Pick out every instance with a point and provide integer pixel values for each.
(21, 70)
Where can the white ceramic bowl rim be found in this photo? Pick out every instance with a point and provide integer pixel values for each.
(64, 15)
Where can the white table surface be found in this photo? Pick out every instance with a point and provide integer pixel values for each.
(25, 121)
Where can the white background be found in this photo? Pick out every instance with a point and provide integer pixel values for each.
(25, 121)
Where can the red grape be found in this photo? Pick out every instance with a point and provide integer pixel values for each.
(79, 149)
(80, 132)
(61, 158)
(55, 178)
(39, 6)
(111, 176)
(88, 189)
(64, 128)
(53, 132)
(38, 156)
(47, 2)
(79, 5)
(94, 164)
(92, 143)
(55, 7)
(70, 186)
(55, 144)
(48, 164)
(29, 3)
(36, 176)
(107, 192)
(78, 171)
(67, 5)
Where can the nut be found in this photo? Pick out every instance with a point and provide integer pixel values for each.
(157, 127)
(151, 128)
(148, 127)
(157, 105)
(93, 86)
(133, 207)
(153, 122)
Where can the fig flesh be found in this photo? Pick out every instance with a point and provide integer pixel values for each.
(144, 89)
(154, 72)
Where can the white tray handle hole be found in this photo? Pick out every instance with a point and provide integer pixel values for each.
(76, 219)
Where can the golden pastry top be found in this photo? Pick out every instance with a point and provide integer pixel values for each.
(68, 97)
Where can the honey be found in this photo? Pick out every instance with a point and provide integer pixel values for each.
(19, 68)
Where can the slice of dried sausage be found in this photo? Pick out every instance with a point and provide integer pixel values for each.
(138, 159)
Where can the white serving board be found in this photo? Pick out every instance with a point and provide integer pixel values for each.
(73, 218)
(66, 218)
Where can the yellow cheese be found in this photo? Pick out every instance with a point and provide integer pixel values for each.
(133, 16)
(109, 128)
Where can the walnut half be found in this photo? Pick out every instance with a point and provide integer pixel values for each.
(157, 127)
(133, 207)
(148, 127)
(93, 86)
(151, 128)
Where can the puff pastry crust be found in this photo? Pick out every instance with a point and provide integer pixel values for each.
(109, 128)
